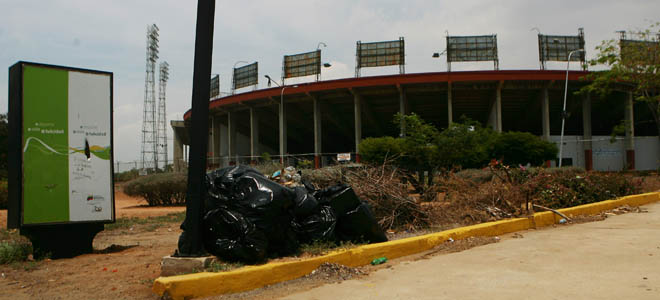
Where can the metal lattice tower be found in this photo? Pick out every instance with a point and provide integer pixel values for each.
(149, 132)
(164, 72)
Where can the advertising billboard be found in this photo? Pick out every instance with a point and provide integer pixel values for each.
(639, 51)
(246, 76)
(471, 48)
(378, 54)
(215, 86)
(302, 64)
(61, 152)
(559, 47)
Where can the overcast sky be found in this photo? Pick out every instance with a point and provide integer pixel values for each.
(110, 36)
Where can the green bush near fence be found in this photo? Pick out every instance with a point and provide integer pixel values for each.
(159, 189)
(126, 175)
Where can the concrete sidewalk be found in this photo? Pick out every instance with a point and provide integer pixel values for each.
(618, 258)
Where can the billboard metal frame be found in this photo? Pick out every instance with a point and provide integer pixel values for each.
(652, 46)
(17, 174)
(302, 64)
(558, 48)
(215, 86)
(379, 54)
(245, 76)
(472, 48)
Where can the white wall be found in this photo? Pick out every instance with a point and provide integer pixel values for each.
(609, 156)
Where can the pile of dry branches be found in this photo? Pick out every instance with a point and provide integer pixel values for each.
(470, 202)
(383, 188)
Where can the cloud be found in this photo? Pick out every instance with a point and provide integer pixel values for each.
(110, 36)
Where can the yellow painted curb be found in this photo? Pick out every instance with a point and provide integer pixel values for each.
(252, 277)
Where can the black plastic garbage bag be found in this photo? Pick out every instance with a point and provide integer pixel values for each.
(259, 196)
(230, 236)
(341, 198)
(221, 183)
(304, 203)
(316, 227)
(251, 217)
(263, 202)
(282, 239)
(359, 224)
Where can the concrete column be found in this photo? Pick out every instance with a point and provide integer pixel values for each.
(209, 146)
(495, 117)
(630, 132)
(403, 109)
(450, 112)
(317, 133)
(283, 134)
(357, 112)
(545, 113)
(177, 153)
(215, 129)
(224, 145)
(586, 132)
(254, 135)
(231, 134)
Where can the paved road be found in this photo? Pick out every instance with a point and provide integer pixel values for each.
(618, 258)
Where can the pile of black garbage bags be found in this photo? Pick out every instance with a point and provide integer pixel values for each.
(250, 218)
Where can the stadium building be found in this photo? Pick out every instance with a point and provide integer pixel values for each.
(318, 120)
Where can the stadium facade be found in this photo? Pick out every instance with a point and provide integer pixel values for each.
(317, 120)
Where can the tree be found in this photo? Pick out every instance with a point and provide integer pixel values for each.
(634, 64)
(417, 148)
(520, 148)
(464, 144)
(414, 151)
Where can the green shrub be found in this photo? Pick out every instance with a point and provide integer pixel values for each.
(326, 176)
(519, 148)
(379, 150)
(11, 251)
(464, 144)
(265, 157)
(126, 176)
(4, 194)
(159, 189)
(13, 247)
(305, 164)
(570, 188)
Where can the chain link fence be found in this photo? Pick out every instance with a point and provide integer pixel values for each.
(305, 160)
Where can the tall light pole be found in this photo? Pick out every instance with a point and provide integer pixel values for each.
(563, 112)
(233, 70)
(282, 119)
(326, 65)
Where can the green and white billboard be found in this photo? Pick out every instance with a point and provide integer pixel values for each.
(66, 144)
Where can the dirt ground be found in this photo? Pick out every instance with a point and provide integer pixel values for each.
(125, 207)
(124, 265)
(127, 260)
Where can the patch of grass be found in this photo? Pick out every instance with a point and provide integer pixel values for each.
(123, 223)
(13, 252)
(323, 247)
(14, 248)
(222, 267)
(153, 227)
